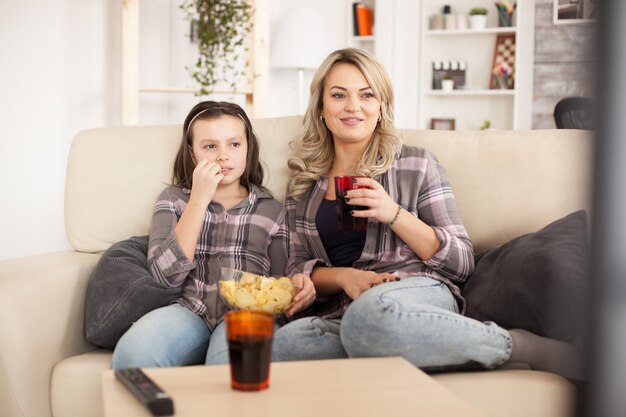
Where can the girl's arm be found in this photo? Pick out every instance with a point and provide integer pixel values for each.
(189, 226)
(206, 177)
(167, 261)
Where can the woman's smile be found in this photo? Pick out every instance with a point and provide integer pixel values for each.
(350, 108)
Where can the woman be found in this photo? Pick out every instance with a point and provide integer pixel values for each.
(391, 290)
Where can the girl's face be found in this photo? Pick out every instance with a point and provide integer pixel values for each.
(221, 140)
(348, 105)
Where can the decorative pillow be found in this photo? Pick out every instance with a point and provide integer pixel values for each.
(120, 291)
(536, 281)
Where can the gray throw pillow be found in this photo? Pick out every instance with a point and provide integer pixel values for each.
(120, 291)
(536, 281)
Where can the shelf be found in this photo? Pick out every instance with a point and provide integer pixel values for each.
(456, 32)
(506, 108)
(162, 89)
(456, 93)
(369, 38)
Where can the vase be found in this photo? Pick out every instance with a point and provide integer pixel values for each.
(505, 19)
(478, 21)
(447, 85)
(461, 22)
(502, 81)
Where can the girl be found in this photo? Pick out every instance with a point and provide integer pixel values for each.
(217, 213)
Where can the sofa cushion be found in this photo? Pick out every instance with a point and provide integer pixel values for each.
(120, 291)
(535, 281)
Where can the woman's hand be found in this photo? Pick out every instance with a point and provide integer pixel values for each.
(380, 205)
(305, 295)
(206, 177)
(355, 281)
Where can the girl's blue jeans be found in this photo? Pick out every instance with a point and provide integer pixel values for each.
(416, 318)
(170, 336)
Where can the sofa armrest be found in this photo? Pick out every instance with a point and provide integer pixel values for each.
(41, 323)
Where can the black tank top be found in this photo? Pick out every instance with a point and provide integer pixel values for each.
(343, 247)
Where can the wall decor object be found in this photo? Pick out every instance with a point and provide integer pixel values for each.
(574, 11)
(503, 67)
(442, 124)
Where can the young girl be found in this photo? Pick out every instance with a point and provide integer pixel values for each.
(217, 213)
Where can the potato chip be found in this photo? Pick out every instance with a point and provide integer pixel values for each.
(244, 299)
(255, 292)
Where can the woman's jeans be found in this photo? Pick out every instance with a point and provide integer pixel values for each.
(170, 336)
(416, 318)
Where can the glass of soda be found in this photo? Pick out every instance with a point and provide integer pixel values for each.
(249, 335)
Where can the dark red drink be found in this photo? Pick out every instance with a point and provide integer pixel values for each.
(250, 358)
(345, 220)
(249, 335)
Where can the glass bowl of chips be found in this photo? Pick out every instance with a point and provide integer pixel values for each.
(242, 290)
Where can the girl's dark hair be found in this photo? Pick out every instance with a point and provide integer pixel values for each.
(184, 165)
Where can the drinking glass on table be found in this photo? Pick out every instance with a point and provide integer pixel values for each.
(249, 335)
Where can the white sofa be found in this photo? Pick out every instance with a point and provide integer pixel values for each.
(507, 183)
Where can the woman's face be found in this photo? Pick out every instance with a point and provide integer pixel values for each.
(348, 105)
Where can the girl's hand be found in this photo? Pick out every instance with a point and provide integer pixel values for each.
(206, 178)
(380, 205)
(305, 295)
(355, 282)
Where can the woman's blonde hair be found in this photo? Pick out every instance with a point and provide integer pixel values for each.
(314, 149)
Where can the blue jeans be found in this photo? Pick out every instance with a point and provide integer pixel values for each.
(170, 336)
(416, 318)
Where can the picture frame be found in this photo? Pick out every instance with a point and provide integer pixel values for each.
(574, 11)
(503, 54)
(442, 124)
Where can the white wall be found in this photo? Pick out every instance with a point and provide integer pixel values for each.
(58, 75)
(283, 83)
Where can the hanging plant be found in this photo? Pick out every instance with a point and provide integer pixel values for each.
(220, 27)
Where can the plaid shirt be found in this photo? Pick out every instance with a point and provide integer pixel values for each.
(419, 184)
(245, 237)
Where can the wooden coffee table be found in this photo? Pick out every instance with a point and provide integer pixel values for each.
(340, 387)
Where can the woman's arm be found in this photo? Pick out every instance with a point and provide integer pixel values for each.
(436, 235)
(353, 282)
(418, 236)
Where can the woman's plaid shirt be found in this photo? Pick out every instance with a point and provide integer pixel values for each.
(419, 184)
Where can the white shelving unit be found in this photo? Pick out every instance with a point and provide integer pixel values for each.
(505, 109)
(257, 69)
(363, 42)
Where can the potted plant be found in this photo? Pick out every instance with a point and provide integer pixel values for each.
(478, 17)
(220, 28)
(447, 83)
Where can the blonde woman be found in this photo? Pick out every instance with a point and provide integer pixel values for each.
(392, 289)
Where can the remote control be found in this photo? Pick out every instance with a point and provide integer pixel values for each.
(149, 393)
